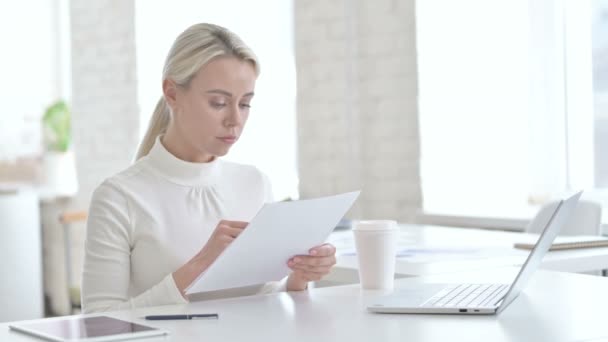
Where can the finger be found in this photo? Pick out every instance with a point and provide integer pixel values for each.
(230, 231)
(323, 250)
(308, 268)
(314, 261)
(316, 269)
(226, 238)
(234, 224)
(310, 276)
(321, 261)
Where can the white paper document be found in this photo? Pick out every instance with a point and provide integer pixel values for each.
(278, 232)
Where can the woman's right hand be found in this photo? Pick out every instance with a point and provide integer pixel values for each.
(222, 236)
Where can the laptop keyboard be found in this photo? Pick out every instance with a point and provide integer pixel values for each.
(468, 295)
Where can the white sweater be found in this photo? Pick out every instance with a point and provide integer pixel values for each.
(147, 221)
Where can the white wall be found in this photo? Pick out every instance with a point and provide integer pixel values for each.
(357, 104)
(106, 115)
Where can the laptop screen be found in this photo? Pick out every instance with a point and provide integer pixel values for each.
(562, 213)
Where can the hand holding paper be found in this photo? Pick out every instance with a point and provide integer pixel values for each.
(222, 236)
(311, 267)
(290, 228)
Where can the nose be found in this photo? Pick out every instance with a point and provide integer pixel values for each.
(234, 117)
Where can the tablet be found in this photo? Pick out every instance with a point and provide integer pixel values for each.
(89, 329)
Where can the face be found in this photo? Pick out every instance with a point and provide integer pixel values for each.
(209, 115)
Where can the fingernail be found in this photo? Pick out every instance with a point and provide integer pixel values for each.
(296, 260)
(313, 252)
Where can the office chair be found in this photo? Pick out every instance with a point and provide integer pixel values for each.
(586, 220)
(66, 219)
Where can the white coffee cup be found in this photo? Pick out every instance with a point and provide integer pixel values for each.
(376, 245)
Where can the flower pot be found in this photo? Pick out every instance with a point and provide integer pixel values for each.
(58, 177)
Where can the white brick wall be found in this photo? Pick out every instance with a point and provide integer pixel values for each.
(105, 123)
(106, 114)
(357, 104)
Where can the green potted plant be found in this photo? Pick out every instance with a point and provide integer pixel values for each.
(58, 162)
(56, 125)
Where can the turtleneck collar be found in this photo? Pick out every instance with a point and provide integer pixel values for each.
(180, 171)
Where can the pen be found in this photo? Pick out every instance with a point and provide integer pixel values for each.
(170, 317)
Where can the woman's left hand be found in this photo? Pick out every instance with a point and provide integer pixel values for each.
(311, 267)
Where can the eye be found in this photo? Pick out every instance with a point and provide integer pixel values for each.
(218, 105)
(245, 105)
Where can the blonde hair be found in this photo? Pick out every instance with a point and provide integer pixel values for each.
(192, 49)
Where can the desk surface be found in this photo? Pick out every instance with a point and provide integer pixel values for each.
(555, 307)
(428, 250)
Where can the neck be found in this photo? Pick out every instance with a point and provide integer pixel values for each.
(180, 148)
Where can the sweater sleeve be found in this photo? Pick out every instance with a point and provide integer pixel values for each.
(107, 262)
(268, 192)
(274, 286)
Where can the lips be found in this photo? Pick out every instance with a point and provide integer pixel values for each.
(228, 139)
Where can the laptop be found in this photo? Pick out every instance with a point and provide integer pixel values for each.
(476, 299)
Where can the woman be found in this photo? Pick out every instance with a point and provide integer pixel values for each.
(156, 226)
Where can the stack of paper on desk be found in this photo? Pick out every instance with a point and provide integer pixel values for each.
(570, 242)
(278, 232)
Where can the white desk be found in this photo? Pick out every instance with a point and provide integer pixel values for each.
(338, 314)
(438, 250)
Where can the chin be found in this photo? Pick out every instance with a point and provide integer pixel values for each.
(220, 153)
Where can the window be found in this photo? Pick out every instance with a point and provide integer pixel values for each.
(473, 62)
(35, 68)
(269, 140)
(512, 104)
(599, 57)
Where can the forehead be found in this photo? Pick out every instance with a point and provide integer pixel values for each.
(226, 73)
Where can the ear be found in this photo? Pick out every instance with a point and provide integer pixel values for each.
(170, 93)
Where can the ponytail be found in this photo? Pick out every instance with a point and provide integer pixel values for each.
(158, 125)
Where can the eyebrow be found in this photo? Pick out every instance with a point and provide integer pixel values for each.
(223, 92)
